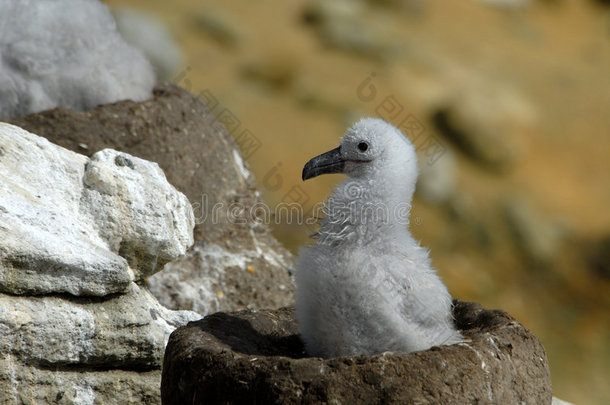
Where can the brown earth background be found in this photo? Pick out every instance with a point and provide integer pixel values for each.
(520, 96)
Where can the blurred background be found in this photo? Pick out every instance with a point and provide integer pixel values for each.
(508, 103)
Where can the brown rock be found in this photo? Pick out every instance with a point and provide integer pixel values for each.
(484, 119)
(257, 357)
(199, 157)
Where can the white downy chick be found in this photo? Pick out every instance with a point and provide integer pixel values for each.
(66, 53)
(367, 286)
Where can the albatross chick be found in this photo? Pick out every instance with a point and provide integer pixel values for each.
(366, 286)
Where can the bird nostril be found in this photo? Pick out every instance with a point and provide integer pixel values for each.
(363, 146)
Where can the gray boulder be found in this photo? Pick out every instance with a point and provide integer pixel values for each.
(257, 357)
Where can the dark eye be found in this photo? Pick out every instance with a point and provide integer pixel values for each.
(363, 146)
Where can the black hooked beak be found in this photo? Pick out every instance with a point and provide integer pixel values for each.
(329, 162)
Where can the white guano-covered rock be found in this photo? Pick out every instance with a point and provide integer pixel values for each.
(126, 331)
(136, 211)
(75, 236)
(31, 385)
(211, 279)
(70, 224)
(74, 350)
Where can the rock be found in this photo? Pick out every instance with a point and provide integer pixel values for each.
(482, 144)
(538, 238)
(137, 212)
(275, 70)
(83, 226)
(84, 350)
(257, 357)
(508, 4)
(66, 53)
(220, 27)
(148, 34)
(482, 120)
(192, 147)
(349, 26)
(29, 385)
(211, 279)
(199, 157)
(76, 233)
(557, 401)
(126, 331)
(597, 254)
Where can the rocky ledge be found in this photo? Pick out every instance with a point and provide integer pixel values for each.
(90, 215)
(257, 357)
(236, 262)
(78, 236)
